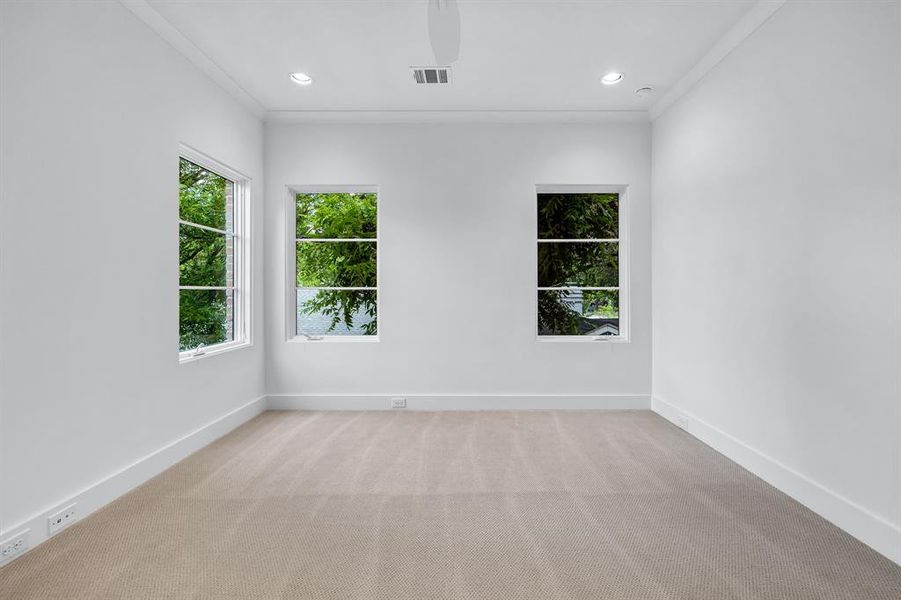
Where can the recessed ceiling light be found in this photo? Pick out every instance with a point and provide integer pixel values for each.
(611, 78)
(644, 91)
(301, 78)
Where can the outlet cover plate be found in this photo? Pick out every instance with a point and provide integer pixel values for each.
(61, 519)
(14, 546)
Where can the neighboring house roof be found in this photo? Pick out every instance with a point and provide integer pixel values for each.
(608, 327)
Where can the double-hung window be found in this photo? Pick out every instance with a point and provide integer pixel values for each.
(581, 292)
(212, 256)
(335, 269)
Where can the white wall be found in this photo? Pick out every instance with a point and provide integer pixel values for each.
(94, 105)
(776, 253)
(457, 257)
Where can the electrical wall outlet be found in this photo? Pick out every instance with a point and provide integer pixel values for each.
(14, 546)
(398, 403)
(681, 421)
(61, 519)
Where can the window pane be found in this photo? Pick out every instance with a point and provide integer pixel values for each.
(205, 317)
(578, 264)
(204, 257)
(336, 264)
(336, 215)
(204, 197)
(578, 216)
(336, 312)
(578, 312)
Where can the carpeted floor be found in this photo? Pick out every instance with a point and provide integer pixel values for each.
(537, 505)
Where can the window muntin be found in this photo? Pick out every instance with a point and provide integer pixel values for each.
(336, 264)
(579, 265)
(210, 259)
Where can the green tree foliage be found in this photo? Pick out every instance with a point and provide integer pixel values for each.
(601, 303)
(577, 264)
(556, 317)
(337, 215)
(201, 195)
(578, 216)
(202, 256)
(338, 264)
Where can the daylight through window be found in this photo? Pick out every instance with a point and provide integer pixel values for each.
(336, 264)
(209, 261)
(578, 264)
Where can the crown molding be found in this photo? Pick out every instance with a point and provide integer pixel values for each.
(186, 47)
(457, 116)
(756, 16)
(750, 22)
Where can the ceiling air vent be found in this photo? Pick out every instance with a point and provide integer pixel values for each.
(431, 74)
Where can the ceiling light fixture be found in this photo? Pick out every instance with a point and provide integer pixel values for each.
(643, 92)
(611, 78)
(301, 78)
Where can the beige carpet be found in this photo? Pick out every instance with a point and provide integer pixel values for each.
(502, 505)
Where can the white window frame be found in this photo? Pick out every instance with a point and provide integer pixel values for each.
(291, 333)
(241, 233)
(623, 257)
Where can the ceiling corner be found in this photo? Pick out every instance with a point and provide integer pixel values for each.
(756, 16)
(146, 13)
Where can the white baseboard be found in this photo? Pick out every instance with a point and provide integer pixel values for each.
(458, 402)
(103, 492)
(871, 529)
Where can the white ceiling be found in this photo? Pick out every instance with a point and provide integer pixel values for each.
(514, 54)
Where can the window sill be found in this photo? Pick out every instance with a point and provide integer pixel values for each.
(332, 339)
(581, 339)
(191, 356)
